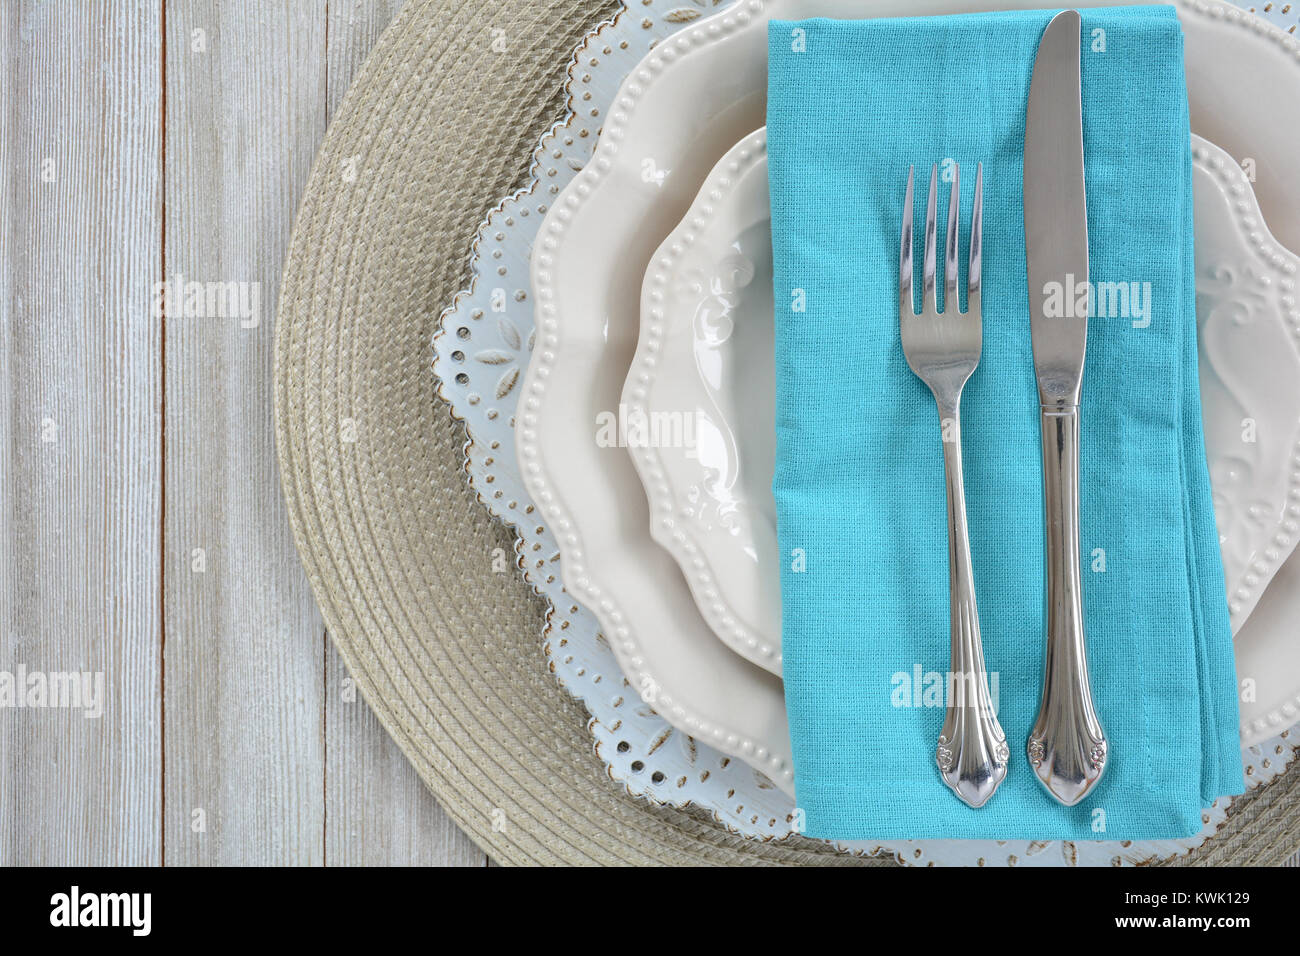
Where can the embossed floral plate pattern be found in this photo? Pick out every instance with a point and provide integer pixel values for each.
(1248, 326)
(705, 356)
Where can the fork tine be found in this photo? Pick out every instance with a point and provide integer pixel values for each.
(905, 251)
(973, 272)
(928, 292)
(950, 301)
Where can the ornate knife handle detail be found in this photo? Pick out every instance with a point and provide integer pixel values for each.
(1067, 747)
(972, 753)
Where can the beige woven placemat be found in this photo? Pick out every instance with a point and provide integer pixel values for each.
(435, 129)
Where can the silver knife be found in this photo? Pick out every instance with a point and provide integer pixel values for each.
(1067, 748)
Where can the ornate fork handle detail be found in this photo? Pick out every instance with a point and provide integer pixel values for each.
(973, 752)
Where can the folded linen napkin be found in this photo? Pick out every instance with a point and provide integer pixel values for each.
(859, 478)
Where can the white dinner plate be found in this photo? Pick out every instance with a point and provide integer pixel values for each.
(686, 103)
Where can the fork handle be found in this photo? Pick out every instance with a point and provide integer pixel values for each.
(1067, 748)
(972, 753)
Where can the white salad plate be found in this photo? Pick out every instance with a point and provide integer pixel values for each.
(705, 356)
(675, 115)
(705, 353)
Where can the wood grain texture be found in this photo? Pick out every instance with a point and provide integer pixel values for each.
(244, 672)
(80, 427)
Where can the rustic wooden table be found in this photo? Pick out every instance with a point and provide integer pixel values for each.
(144, 536)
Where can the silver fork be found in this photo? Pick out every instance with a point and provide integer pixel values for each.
(943, 349)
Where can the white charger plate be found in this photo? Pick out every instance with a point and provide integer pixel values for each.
(705, 351)
(482, 344)
(640, 749)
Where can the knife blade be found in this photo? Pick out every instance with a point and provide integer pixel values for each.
(1056, 212)
(1067, 748)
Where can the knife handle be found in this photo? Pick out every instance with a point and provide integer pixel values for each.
(1067, 747)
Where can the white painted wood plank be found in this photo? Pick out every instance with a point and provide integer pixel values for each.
(79, 427)
(244, 655)
(378, 811)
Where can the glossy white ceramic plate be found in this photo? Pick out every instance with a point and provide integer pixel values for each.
(705, 352)
(686, 103)
(705, 357)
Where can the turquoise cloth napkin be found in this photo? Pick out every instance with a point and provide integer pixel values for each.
(859, 475)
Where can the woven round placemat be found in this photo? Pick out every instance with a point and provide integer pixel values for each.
(435, 129)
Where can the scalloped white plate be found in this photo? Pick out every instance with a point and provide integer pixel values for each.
(705, 357)
(706, 351)
(691, 98)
